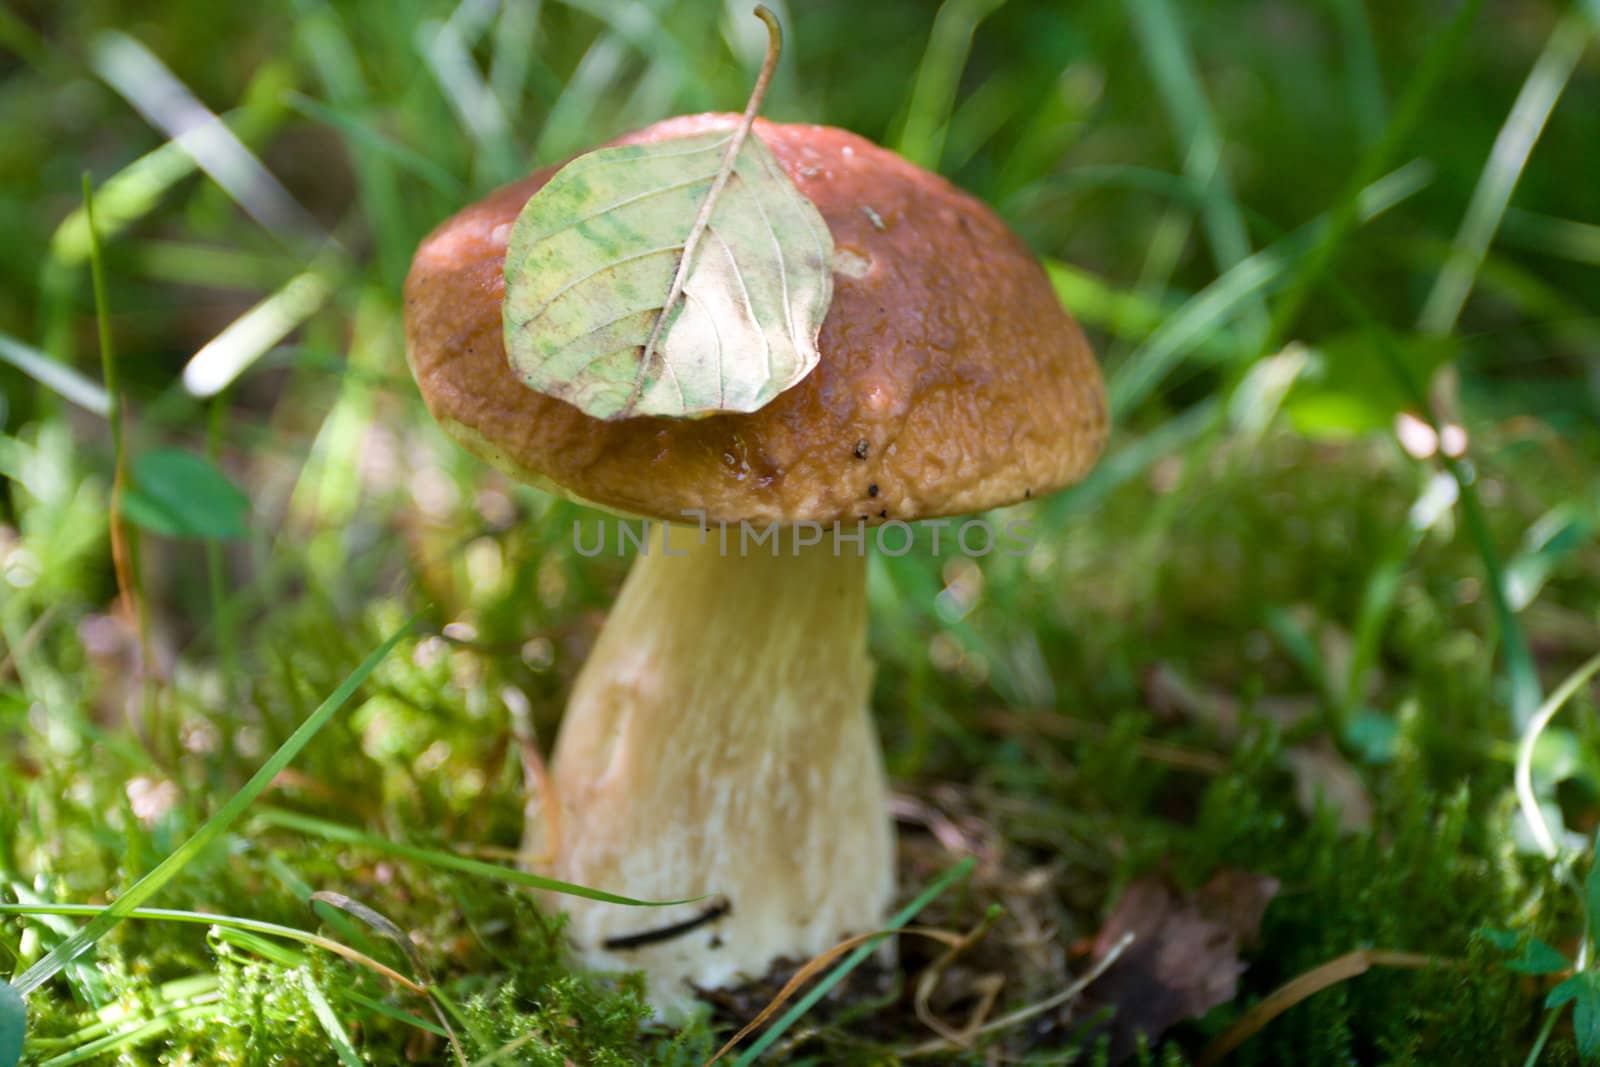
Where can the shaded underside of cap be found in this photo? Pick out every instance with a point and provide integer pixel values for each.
(951, 379)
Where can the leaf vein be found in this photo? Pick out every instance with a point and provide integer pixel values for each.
(603, 268)
(716, 332)
(609, 208)
(749, 304)
(779, 260)
(598, 160)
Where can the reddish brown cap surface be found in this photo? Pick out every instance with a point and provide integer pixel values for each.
(951, 379)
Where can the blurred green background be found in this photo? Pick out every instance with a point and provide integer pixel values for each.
(1281, 630)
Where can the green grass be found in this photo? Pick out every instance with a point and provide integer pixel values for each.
(1278, 222)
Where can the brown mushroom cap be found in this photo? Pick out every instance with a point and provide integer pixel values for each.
(951, 379)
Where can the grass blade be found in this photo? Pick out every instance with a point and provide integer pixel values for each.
(13, 1025)
(146, 887)
(168, 996)
(229, 354)
(628, 25)
(244, 933)
(566, 122)
(1131, 459)
(329, 1019)
(391, 1012)
(127, 1039)
(127, 196)
(271, 951)
(1162, 39)
(377, 144)
(1566, 238)
(167, 104)
(1123, 313)
(1544, 86)
(84, 982)
(221, 922)
(332, 831)
(378, 922)
(515, 34)
(321, 33)
(57, 377)
(504, 1052)
(1521, 673)
(647, 31)
(125, 544)
(25, 41)
(123, 199)
(1365, 78)
(1138, 376)
(108, 361)
(449, 59)
(1408, 113)
(854, 960)
(933, 93)
(1527, 799)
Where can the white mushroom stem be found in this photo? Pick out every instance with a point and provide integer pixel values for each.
(718, 741)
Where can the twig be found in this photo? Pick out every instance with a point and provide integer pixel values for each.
(716, 910)
(814, 966)
(928, 981)
(1055, 1000)
(1292, 992)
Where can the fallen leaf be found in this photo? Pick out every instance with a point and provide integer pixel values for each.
(1184, 959)
(591, 266)
(1171, 695)
(1322, 777)
(675, 278)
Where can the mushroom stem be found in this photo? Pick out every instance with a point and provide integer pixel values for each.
(718, 741)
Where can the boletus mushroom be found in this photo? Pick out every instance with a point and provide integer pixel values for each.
(718, 739)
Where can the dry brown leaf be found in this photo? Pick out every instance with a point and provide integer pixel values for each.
(1184, 959)
(1319, 771)
(1322, 776)
(1172, 695)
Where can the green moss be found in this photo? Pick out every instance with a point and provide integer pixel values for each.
(1206, 595)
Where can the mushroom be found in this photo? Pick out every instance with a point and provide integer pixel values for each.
(718, 738)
